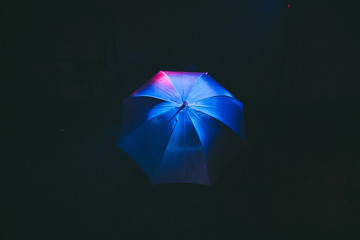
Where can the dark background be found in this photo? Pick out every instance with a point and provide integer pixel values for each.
(67, 66)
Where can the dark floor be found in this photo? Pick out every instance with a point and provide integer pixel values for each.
(67, 66)
(299, 179)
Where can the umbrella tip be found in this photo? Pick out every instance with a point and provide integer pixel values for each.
(206, 73)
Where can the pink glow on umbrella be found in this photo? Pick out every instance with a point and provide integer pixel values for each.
(162, 79)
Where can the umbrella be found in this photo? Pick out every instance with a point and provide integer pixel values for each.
(177, 125)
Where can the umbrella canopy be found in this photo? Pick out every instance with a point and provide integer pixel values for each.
(176, 124)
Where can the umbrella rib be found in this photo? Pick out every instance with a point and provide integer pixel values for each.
(233, 98)
(172, 85)
(167, 145)
(197, 80)
(221, 122)
(197, 133)
(146, 123)
(165, 90)
(192, 110)
(212, 117)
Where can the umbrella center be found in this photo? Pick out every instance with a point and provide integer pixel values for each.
(184, 104)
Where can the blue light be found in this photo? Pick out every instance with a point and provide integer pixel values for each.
(169, 125)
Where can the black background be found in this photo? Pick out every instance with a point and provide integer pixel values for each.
(67, 66)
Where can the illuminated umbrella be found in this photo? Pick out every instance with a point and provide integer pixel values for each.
(176, 125)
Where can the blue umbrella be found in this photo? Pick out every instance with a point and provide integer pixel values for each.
(174, 127)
